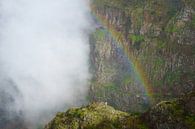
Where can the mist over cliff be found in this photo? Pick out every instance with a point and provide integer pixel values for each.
(43, 57)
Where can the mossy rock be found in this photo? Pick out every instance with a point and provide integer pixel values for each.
(95, 116)
(174, 114)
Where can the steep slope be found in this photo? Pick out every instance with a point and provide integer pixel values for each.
(142, 51)
(176, 114)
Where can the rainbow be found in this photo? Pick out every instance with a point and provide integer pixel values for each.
(135, 64)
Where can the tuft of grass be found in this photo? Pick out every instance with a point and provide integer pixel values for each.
(136, 38)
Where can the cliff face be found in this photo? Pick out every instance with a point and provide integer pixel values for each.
(159, 35)
(176, 114)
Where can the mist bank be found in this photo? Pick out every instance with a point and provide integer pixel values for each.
(43, 57)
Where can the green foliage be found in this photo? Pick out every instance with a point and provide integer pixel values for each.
(190, 120)
(101, 116)
(159, 62)
(172, 29)
(172, 76)
(137, 16)
(160, 43)
(94, 116)
(127, 80)
(158, 83)
(99, 34)
(110, 86)
(156, 34)
(143, 126)
(190, 3)
(192, 24)
(136, 38)
(174, 7)
(120, 4)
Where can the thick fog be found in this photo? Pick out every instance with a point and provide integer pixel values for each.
(43, 56)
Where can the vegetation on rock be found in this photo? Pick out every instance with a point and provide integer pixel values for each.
(94, 116)
(175, 114)
(160, 35)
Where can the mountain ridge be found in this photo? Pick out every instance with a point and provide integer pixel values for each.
(175, 114)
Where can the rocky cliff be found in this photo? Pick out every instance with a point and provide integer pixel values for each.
(142, 49)
(175, 114)
(142, 53)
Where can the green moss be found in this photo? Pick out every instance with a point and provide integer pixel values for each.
(172, 29)
(137, 18)
(99, 34)
(174, 26)
(136, 38)
(172, 114)
(94, 116)
(102, 116)
(172, 76)
(190, 121)
(170, 109)
(127, 80)
(120, 4)
(160, 44)
(192, 22)
(111, 86)
(143, 126)
(158, 83)
(190, 3)
(159, 62)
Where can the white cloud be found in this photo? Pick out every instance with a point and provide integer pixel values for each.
(44, 52)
